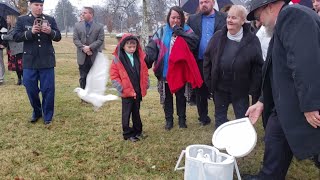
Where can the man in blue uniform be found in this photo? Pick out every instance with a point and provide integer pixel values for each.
(37, 31)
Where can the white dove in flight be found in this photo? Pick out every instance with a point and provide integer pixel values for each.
(96, 83)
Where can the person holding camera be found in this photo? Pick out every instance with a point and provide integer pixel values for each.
(37, 31)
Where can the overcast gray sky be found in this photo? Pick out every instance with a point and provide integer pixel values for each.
(51, 4)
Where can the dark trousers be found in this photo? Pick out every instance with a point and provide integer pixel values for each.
(84, 70)
(180, 104)
(31, 80)
(222, 101)
(277, 155)
(202, 95)
(19, 74)
(131, 107)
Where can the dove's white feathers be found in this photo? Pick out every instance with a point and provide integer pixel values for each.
(200, 154)
(96, 83)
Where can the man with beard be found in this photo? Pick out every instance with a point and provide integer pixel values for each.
(205, 24)
(290, 100)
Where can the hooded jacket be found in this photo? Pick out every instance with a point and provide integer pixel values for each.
(120, 76)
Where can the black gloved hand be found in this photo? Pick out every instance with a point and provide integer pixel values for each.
(177, 30)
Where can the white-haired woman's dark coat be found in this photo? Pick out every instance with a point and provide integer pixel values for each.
(246, 66)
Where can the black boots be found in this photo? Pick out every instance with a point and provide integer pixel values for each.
(19, 82)
(182, 123)
(169, 124)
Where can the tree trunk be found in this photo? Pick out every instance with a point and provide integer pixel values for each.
(146, 20)
(64, 20)
(67, 28)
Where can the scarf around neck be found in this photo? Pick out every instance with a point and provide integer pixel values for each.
(237, 37)
(168, 31)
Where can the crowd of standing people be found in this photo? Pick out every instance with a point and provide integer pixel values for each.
(215, 54)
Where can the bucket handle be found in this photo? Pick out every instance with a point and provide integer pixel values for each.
(237, 169)
(179, 160)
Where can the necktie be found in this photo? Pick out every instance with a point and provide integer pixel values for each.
(87, 29)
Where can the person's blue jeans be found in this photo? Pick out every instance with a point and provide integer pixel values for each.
(31, 79)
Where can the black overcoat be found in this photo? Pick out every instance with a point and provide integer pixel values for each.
(291, 74)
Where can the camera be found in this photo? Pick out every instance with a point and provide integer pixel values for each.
(38, 21)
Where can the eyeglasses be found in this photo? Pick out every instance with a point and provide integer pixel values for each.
(257, 15)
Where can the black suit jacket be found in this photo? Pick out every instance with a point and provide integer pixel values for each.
(195, 22)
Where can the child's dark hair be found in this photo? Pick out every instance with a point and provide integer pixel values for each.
(132, 41)
(179, 11)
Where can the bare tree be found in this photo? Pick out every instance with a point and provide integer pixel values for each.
(120, 11)
(146, 21)
(21, 5)
(65, 15)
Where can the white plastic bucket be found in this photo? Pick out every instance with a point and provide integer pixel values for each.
(218, 167)
(237, 137)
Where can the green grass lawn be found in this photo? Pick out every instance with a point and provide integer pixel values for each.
(84, 144)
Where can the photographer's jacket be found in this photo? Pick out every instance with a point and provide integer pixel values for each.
(38, 52)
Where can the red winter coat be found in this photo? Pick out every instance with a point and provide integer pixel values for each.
(183, 67)
(119, 75)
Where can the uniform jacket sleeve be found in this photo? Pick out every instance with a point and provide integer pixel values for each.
(303, 55)
(20, 34)
(55, 32)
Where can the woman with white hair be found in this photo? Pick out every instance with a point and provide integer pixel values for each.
(232, 66)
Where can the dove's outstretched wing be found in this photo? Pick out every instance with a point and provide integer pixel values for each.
(98, 75)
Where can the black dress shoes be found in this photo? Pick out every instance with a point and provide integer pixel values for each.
(35, 119)
(168, 127)
(19, 82)
(132, 139)
(141, 136)
(204, 123)
(251, 177)
(316, 160)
